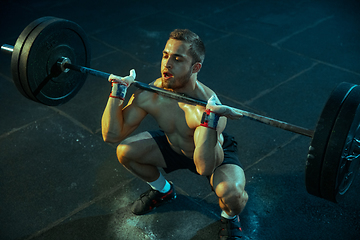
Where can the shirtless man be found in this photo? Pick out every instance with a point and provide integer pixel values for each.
(191, 136)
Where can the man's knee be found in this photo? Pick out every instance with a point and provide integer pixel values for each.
(124, 153)
(232, 193)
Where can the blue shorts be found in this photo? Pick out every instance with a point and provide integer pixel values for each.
(175, 161)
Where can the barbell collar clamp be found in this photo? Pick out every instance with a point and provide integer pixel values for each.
(6, 48)
(62, 62)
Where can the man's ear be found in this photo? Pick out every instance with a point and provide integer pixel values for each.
(196, 67)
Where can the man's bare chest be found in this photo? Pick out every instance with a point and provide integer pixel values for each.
(176, 117)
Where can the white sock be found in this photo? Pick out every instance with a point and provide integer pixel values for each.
(160, 184)
(225, 215)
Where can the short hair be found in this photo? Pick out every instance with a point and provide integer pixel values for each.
(197, 47)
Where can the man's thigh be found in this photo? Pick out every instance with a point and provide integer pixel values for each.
(230, 171)
(143, 149)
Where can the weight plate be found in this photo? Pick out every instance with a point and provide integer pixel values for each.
(341, 161)
(321, 137)
(15, 56)
(41, 78)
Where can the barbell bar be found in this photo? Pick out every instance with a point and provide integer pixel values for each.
(64, 64)
(51, 58)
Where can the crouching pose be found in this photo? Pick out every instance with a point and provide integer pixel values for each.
(190, 136)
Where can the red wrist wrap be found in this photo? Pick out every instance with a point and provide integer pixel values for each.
(209, 119)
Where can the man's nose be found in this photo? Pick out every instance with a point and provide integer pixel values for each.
(168, 63)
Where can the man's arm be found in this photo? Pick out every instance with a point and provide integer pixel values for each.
(117, 123)
(208, 152)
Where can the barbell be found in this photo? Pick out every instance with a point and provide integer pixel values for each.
(51, 58)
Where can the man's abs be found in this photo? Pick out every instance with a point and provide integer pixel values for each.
(181, 145)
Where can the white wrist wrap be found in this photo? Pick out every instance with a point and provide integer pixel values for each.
(118, 90)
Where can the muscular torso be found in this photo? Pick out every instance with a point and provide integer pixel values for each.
(177, 119)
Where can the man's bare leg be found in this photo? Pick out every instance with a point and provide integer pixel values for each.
(228, 182)
(141, 155)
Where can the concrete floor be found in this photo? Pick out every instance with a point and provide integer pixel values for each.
(59, 180)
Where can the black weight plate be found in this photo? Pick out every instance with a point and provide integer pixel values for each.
(40, 76)
(341, 162)
(23, 58)
(321, 137)
(15, 56)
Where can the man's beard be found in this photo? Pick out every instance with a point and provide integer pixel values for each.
(177, 83)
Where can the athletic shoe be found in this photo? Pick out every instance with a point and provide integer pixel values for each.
(151, 199)
(230, 229)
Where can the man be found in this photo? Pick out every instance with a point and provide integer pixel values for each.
(191, 136)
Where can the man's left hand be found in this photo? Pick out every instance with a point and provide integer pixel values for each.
(223, 110)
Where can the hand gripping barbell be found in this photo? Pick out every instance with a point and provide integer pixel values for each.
(49, 47)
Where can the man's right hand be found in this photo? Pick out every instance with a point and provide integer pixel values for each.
(127, 81)
(120, 84)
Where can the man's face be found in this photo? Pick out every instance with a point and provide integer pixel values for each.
(176, 64)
